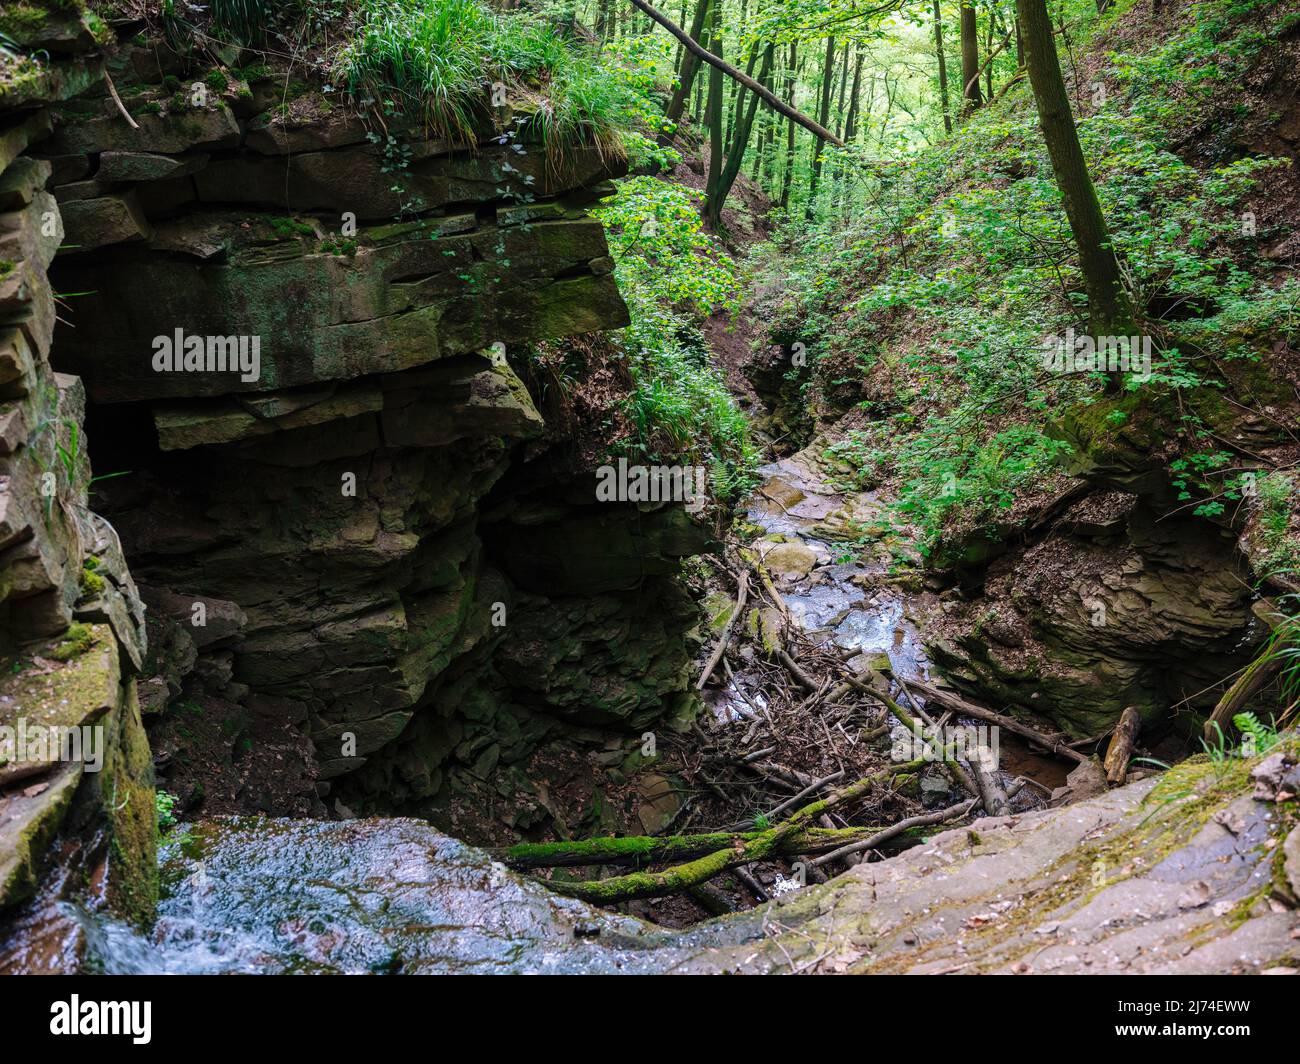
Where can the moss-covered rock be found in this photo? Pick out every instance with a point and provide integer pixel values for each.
(74, 757)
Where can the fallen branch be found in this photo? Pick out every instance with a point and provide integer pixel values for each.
(766, 581)
(807, 792)
(773, 101)
(894, 830)
(993, 797)
(969, 709)
(1120, 749)
(751, 884)
(112, 91)
(792, 667)
(945, 754)
(650, 849)
(742, 593)
(1257, 675)
(712, 900)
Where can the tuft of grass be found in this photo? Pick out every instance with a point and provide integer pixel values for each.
(244, 20)
(440, 59)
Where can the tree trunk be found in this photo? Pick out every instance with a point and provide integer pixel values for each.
(823, 116)
(1110, 309)
(698, 109)
(680, 53)
(738, 97)
(715, 104)
(844, 88)
(890, 96)
(970, 59)
(744, 124)
(690, 64)
(1120, 750)
(763, 155)
(787, 178)
(988, 55)
(851, 122)
(943, 69)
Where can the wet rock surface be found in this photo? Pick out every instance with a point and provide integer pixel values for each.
(363, 896)
(1172, 875)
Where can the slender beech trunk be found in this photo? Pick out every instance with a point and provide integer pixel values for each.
(943, 69)
(738, 96)
(716, 89)
(851, 122)
(787, 177)
(844, 88)
(763, 155)
(970, 58)
(823, 116)
(690, 64)
(1110, 310)
(680, 53)
(744, 124)
(890, 95)
(988, 55)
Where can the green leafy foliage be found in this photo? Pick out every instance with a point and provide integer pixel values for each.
(673, 276)
(165, 803)
(944, 272)
(1257, 737)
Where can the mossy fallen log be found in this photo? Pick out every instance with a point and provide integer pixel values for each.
(647, 849)
(762, 845)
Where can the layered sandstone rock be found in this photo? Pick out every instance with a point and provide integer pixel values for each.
(298, 334)
(1113, 608)
(74, 760)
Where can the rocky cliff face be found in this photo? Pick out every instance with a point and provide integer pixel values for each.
(326, 512)
(1121, 591)
(74, 760)
(1109, 607)
(291, 334)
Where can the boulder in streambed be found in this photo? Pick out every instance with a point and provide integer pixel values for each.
(789, 561)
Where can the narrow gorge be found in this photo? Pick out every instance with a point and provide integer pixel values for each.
(340, 635)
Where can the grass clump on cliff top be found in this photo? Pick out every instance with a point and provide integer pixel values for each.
(440, 59)
(437, 62)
